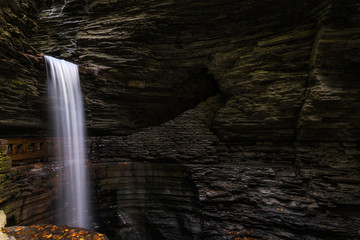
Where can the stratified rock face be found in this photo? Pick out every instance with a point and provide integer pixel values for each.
(277, 156)
(26, 185)
(22, 90)
(143, 185)
(261, 190)
(274, 155)
(143, 67)
(27, 192)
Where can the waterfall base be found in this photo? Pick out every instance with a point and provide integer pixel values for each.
(53, 232)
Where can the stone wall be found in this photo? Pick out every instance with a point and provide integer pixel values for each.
(276, 156)
(139, 74)
(210, 120)
(22, 75)
(27, 190)
(256, 189)
(149, 178)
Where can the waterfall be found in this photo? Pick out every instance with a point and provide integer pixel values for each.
(67, 112)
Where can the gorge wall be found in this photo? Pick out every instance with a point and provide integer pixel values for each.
(26, 177)
(208, 119)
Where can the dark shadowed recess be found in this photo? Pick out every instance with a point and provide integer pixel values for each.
(142, 200)
(184, 96)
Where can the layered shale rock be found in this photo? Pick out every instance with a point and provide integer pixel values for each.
(22, 84)
(254, 161)
(141, 70)
(259, 190)
(141, 180)
(274, 155)
(27, 190)
(26, 186)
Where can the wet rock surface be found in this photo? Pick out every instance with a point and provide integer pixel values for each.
(44, 232)
(262, 190)
(27, 192)
(141, 70)
(22, 105)
(272, 155)
(142, 183)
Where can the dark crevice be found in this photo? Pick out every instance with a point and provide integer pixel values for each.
(197, 87)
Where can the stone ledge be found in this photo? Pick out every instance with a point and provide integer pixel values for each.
(40, 232)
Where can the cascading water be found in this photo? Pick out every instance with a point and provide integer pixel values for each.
(68, 117)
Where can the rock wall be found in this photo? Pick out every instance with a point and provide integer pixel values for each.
(231, 119)
(150, 177)
(256, 190)
(27, 190)
(276, 156)
(21, 73)
(141, 70)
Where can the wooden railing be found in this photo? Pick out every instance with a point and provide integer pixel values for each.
(24, 149)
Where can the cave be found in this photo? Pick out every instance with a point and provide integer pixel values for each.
(204, 119)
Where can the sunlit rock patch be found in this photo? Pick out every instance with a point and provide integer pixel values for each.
(42, 232)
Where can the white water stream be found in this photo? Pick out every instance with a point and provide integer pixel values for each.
(67, 112)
